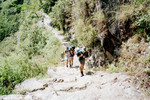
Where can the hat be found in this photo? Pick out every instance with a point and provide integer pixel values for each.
(67, 47)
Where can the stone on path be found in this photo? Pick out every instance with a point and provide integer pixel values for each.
(29, 85)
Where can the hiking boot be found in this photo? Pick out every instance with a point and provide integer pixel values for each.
(82, 74)
(70, 65)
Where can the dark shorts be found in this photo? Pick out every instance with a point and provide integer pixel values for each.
(82, 60)
(72, 55)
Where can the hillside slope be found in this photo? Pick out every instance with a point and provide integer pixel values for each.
(66, 84)
(26, 50)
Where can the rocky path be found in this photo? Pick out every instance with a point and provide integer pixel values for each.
(57, 33)
(66, 84)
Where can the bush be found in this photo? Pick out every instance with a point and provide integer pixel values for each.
(142, 21)
(37, 42)
(125, 12)
(143, 24)
(30, 58)
(60, 12)
(47, 5)
(36, 50)
(10, 18)
(84, 32)
(16, 69)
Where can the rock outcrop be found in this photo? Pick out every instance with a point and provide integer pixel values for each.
(111, 31)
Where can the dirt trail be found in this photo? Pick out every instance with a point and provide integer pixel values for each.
(57, 33)
(66, 84)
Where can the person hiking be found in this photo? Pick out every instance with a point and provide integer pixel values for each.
(72, 52)
(82, 54)
(42, 18)
(68, 56)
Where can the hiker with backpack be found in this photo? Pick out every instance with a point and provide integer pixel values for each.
(42, 18)
(82, 54)
(68, 56)
(72, 52)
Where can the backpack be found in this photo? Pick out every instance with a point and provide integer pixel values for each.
(66, 49)
(78, 52)
(73, 47)
(86, 54)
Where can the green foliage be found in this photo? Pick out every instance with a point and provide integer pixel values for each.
(30, 58)
(36, 50)
(125, 12)
(137, 12)
(142, 21)
(47, 5)
(84, 32)
(148, 92)
(61, 12)
(14, 70)
(99, 15)
(66, 14)
(119, 68)
(74, 42)
(143, 24)
(112, 68)
(37, 42)
(79, 10)
(138, 1)
(10, 18)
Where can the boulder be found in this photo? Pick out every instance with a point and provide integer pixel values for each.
(29, 85)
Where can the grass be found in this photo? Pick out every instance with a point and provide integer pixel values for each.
(99, 16)
(148, 92)
(112, 68)
(15, 69)
(125, 12)
(134, 56)
(85, 34)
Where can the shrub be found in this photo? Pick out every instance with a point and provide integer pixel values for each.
(10, 18)
(125, 12)
(30, 58)
(47, 5)
(16, 69)
(36, 50)
(60, 12)
(84, 32)
(143, 24)
(74, 42)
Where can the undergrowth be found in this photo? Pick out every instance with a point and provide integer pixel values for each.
(28, 53)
